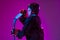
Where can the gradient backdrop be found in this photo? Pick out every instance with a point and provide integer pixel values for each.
(49, 14)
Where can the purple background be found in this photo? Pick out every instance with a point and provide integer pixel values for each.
(49, 14)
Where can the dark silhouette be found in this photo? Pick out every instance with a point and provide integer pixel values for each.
(32, 25)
